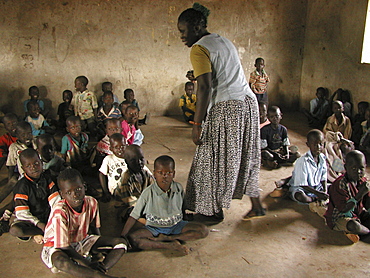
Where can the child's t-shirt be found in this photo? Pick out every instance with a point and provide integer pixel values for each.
(308, 172)
(345, 127)
(113, 167)
(259, 82)
(113, 113)
(128, 131)
(274, 138)
(161, 209)
(64, 112)
(85, 102)
(76, 151)
(66, 226)
(320, 112)
(34, 198)
(5, 141)
(188, 102)
(37, 124)
(14, 150)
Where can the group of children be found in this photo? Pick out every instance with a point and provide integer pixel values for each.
(50, 201)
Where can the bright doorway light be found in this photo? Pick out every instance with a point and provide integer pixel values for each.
(365, 58)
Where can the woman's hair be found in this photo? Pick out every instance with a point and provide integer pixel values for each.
(197, 15)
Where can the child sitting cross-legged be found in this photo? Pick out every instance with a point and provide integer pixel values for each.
(308, 181)
(338, 121)
(161, 205)
(275, 142)
(349, 200)
(34, 196)
(72, 233)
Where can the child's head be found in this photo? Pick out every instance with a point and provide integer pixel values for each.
(262, 107)
(113, 126)
(189, 88)
(31, 163)
(134, 158)
(346, 146)
(81, 83)
(72, 188)
(315, 142)
(34, 92)
(129, 95)
(259, 64)
(362, 106)
(67, 96)
(108, 98)
(132, 114)
(33, 109)
(274, 115)
(107, 86)
(45, 146)
(321, 93)
(123, 107)
(10, 121)
(337, 107)
(23, 133)
(355, 165)
(117, 144)
(164, 171)
(73, 126)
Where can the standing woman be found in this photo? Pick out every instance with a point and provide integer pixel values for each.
(226, 123)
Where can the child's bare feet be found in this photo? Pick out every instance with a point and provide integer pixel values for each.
(176, 245)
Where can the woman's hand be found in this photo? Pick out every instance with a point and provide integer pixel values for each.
(197, 130)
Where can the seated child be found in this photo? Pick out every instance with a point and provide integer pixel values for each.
(258, 80)
(23, 132)
(188, 102)
(65, 109)
(37, 121)
(345, 97)
(34, 94)
(349, 200)
(107, 111)
(129, 124)
(113, 166)
(34, 196)
(72, 233)
(10, 121)
(318, 109)
(262, 107)
(75, 144)
(85, 104)
(129, 96)
(338, 121)
(161, 204)
(105, 87)
(357, 129)
(275, 141)
(45, 146)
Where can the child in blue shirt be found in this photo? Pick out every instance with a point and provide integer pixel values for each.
(36, 120)
(34, 94)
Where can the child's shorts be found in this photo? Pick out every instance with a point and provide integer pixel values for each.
(341, 224)
(173, 230)
(83, 247)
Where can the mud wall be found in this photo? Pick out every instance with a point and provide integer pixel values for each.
(135, 44)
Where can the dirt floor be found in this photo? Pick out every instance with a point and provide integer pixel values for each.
(290, 241)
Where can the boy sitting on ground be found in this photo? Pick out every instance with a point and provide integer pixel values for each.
(10, 121)
(34, 196)
(34, 94)
(65, 109)
(349, 200)
(262, 107)
(275, 142)
(338, 121)
(188, 102)
(107, 111)
(318, 109)
(72, 232)
(37, 121)
(161, 205)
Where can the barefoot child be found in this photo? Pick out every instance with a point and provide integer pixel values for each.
(73, 231)
(34, 196)
(161, 205)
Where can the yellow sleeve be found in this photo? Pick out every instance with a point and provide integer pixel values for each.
(200, 59)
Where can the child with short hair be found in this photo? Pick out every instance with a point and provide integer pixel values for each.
(262, 108)
(65, 109)
(338, 121)
(138, 136)
(129, 124)
(258, 80)
(34, 94)
(345, 97)
(188, 102)
(349, 200)
(10, 121)
(161, 203)
(130, 98)
(45, 146)
(24, 141)
(275, 142)
(72, 232)
(105, 87)
(112, 126)
(85, 104)
(34, 196)
(113, 166)
(37, 121)
(75, 144)
(318, 109)
(107, 111)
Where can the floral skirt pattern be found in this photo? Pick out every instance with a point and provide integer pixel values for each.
(227, 164)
